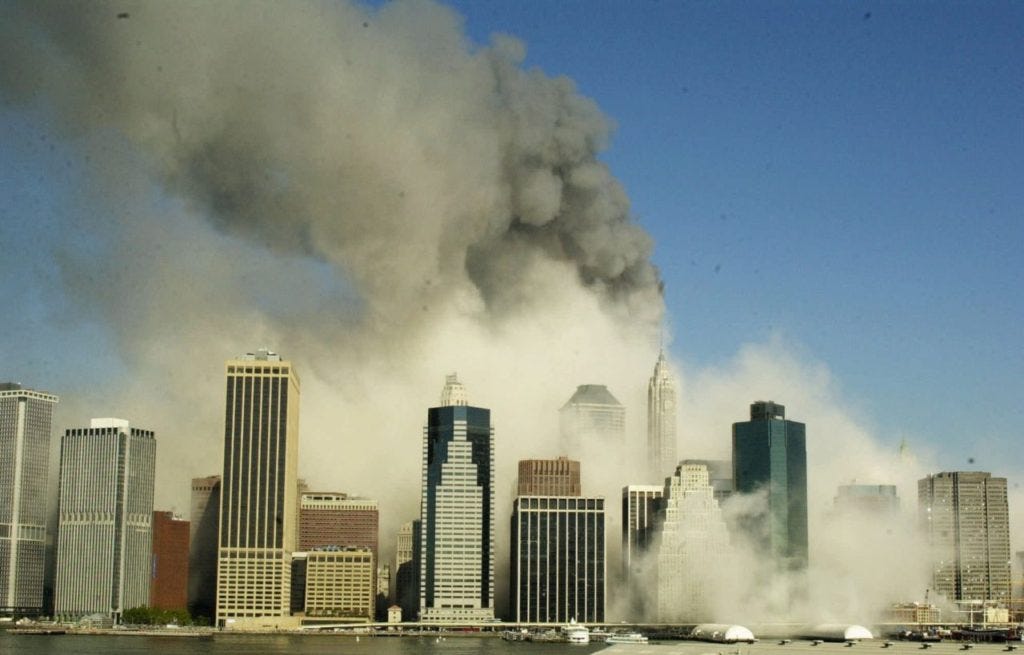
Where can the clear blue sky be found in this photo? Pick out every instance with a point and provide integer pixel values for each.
(847, 174)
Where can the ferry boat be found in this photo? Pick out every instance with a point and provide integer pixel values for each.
(576, 633)
(626, 638)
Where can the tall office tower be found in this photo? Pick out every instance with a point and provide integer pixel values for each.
(25, 417)
(769, 454)
(877, 500)
(202, 546)
(168, 588)
(457, 510)
(661, 421)
(592, 418)
(549, 477)
(693, 545)
(335, 519)
(558, 564)
(258, 489)
(407, 571)
(105, 519)
(640, 504)
(966, 518)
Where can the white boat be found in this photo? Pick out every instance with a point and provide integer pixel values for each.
(626, 638)
(576, 633)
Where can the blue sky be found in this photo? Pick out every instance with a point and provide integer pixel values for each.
(849, 176)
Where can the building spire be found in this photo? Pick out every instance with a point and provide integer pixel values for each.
(454, 393)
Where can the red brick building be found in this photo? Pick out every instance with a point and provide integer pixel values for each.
(334, 519)
(168, 587)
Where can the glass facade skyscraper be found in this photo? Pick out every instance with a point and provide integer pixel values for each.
(457, 510)
(25, 417)
(769, 455)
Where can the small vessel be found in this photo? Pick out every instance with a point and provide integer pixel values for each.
(576, 633)
(626, 638)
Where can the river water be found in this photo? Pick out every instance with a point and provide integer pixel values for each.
(274, 644)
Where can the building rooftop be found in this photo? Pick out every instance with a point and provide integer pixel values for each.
(593, 394)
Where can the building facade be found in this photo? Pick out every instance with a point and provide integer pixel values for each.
(341, 583)
(105, 519)
(258, 491)
(168, 587)
(769, 455)
(548, 477)
(407, 570)
(640, 505)
(25, 427)
(202, 545)
(661, 420)
(693, 543)
(965, 516)
(334, 519)
(457, 511)
(558, 564)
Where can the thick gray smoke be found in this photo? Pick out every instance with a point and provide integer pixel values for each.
(363, 190)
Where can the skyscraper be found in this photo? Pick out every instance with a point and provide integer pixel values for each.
(202, 546)
(692, 548)
(965, 516)
(25, 417)
(661, 420)
(335, 519)
(867, 499)
(640, 504)
(457, 510)
(769, 455)
(592, 418)
(168, 587)
(258, 489)
(407, 569)
(105, 518)
(558, 564)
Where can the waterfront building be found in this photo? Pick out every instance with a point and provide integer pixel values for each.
(871, 500)
(105, 519)
(341, 583)
(693, 542)
(204, 523)
(258, 493)
(769, 455)
(25, 427)
(558, 564)
(168, 588)
(548, 477)
(661, 420)
(335, 519)
(407, 575)
(965, 517)
(592, 418)
(457, 511)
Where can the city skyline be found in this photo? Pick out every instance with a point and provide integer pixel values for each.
(537, 214)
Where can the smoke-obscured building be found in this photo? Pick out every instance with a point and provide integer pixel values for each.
(202, 546)
(457, 511)
(168, 588)
(258, 492)
(661, 420)
(592, 418)
(548, 477)
(407, 575)
(640, 505)
(873, 500)
(693, 544)
(558, 564)
(965, 516)
(105, 518)
(769, 455)
(25, 427)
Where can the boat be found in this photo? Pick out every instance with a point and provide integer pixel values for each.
(576, 633)
(626, 638)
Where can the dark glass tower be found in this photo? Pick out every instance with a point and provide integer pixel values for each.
(769, 454)
(457, 511)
